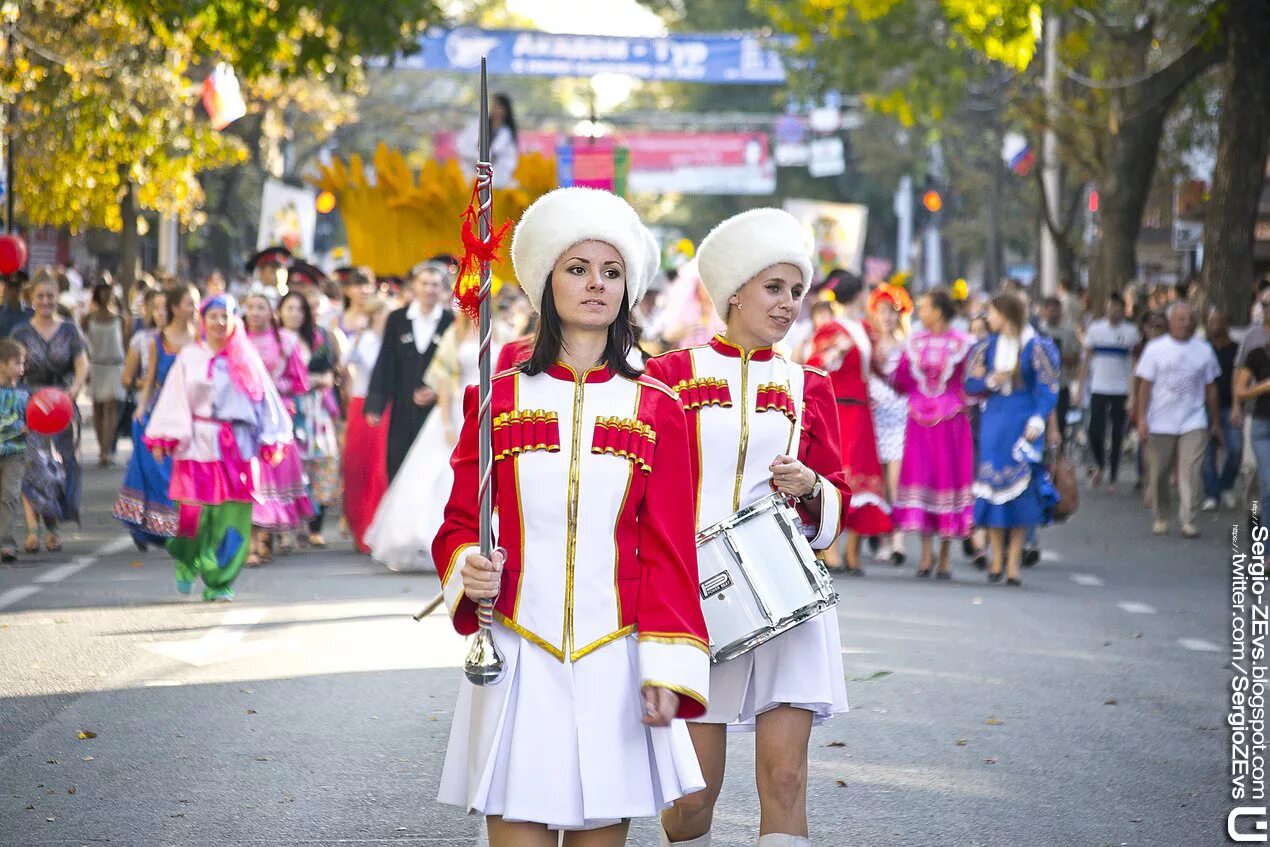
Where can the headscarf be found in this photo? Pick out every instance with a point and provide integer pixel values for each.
(245, 368)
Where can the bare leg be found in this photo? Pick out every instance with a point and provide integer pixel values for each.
(853, 549)
(945, 546)
(692, 816)
(781, 739)
(996, 537)
(609, 836)
(504, 834)
(1017, 535)
(109, 423)
(32, 527)
(924, 563)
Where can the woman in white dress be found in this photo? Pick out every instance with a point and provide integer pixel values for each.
(410, 513)
(107, 344)
(889, 307)
(759, 424)
(597, 612)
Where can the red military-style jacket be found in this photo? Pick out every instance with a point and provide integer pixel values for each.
(745, 409)
(592, 490)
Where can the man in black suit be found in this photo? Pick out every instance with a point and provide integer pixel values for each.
(410, 340)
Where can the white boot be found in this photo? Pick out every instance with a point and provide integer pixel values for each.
(780, 839)
(703, 841)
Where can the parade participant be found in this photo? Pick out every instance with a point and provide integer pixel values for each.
(597, 614)
(365, 447)
(57, 356)
(1107, 374)
(1179, 411)
(760, 423)
(13, 435)
(269, 267)
(107, 345)
(934, 497)
(1018, 370)
(889, 305)
(309, 281)
(282, 500)
(13, 310)
(356, 285)
(843, 347)
(143, 505)
(410, 340)
(317, 412)
(411, 512)
(217, 413)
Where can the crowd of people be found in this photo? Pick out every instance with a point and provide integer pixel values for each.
(270, 412)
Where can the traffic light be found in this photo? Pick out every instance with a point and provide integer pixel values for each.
(932, 201)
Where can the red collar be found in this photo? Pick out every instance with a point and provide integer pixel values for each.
(561, 371)
(726, 348)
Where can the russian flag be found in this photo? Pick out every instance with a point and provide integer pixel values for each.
(1017, 153)
(222, 97)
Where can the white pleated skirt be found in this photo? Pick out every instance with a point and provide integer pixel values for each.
(800, 668)
(561, 743)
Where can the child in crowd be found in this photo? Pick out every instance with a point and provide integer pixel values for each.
(13, 399)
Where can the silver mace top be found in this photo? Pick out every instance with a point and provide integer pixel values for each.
(484, 664)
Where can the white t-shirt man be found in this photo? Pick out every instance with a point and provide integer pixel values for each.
(1109, 348)
(1180, 372)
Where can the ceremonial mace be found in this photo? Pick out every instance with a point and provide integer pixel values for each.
(484, 664)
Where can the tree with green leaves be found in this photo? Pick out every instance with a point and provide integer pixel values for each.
(106, 94)
(1124, 66)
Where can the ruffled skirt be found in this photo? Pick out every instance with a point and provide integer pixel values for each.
(282, 497)
(934, 496)
(801, 668)
(561, 743)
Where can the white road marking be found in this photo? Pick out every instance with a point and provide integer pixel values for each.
(61, 572)
(1135, 608)
(115, 546)
(1051, 556)
(1199, 645)
(13, 595)
(1087, 579)
(220, 644)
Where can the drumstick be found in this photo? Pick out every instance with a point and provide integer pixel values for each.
(431, 607)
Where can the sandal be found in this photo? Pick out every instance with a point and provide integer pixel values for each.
(53, 543)
(316, 540)
(32, 544)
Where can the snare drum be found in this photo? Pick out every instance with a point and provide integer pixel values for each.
(759, 577)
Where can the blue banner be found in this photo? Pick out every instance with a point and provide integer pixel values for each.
(726, 59)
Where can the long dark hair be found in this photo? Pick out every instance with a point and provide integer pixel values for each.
(845, 285)
(308, 327)
(510, 122)
(549, 339)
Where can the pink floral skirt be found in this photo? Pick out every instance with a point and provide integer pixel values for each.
(934, 496)
(281, 498)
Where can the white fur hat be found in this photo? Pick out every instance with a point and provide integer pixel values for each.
(740, 247)
(559, 219)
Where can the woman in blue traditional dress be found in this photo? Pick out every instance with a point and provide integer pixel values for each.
(1018, 370)
(143, 505)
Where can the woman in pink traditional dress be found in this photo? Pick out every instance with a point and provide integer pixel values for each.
(217, 416)
(282, 499)
(934, 495)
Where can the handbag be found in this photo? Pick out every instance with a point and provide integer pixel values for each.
(1063, 473)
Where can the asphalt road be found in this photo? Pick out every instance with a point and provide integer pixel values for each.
(1084, 709)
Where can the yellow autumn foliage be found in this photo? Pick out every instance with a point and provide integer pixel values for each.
(402, 219)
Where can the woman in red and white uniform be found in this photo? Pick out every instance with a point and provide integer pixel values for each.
(597, 610)
(844, 347)
(758, 422)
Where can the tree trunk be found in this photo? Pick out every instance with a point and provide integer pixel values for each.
(129, 240)
(1238, 178)
(1132, 150)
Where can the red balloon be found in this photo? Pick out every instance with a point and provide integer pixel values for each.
(12, 253)
(49, 411)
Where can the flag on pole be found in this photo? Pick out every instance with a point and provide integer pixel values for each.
(1017, 153)
(222, 97)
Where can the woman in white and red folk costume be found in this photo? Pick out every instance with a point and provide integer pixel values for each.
(758, 422)
(597, 610)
